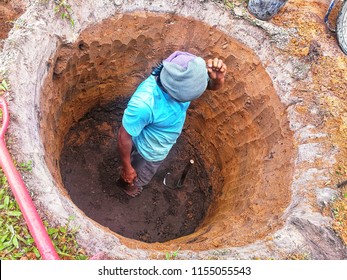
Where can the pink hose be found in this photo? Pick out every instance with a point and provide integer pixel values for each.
(22, 196)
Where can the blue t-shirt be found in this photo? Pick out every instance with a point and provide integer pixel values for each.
(154, 120)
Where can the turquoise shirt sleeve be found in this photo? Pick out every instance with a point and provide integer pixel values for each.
(136, 116)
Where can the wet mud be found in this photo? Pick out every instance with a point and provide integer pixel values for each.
(90, 168)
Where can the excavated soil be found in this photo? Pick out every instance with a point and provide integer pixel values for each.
(89, 166)
(9, 12)
(239, 135)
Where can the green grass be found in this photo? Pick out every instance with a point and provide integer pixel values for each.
(3, 86)
(171, 255)
(16, 241)
(63, 8)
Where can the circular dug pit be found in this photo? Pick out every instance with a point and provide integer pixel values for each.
(239, 136)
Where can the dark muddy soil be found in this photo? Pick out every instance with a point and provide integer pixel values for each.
(90, 168)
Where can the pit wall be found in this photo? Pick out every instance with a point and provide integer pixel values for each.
(27, 57)
(248, 154)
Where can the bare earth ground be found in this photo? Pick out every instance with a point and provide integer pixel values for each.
(318, 46)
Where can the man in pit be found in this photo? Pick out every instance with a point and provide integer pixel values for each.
(156, 112)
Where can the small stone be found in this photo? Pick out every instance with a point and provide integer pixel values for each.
(305, 51)
(118, 2)
(238, 11)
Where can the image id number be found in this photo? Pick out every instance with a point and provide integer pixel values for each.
(215, 270)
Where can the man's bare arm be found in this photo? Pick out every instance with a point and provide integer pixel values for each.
(125, 144)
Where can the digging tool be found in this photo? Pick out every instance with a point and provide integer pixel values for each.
(180, 181)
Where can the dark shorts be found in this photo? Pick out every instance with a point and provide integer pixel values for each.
(145, 169)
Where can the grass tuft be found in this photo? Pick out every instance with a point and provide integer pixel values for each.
(16, 242)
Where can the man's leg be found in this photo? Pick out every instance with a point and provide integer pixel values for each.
(145, 171)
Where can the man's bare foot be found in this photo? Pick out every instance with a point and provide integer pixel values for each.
(130, 189)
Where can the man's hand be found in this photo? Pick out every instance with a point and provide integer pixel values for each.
(216, 69)
(129, 175)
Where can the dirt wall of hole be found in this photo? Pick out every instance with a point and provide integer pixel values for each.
(241, 132)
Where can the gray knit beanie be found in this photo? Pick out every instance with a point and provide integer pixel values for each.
(184, 76)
